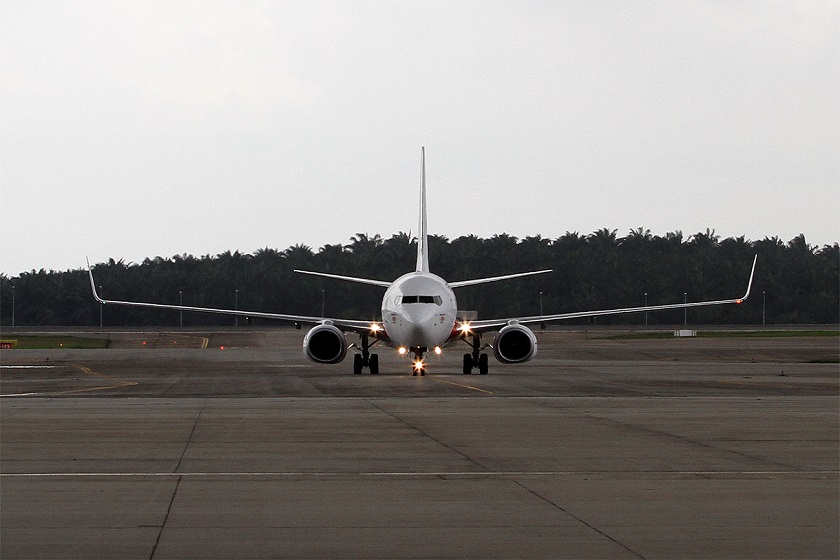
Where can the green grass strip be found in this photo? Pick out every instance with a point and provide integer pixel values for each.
(57, 342)
(726, 334)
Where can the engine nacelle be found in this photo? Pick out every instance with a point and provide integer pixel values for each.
(325, 344)
(515, 344)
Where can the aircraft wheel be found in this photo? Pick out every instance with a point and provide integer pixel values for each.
(374, 364)
(357, 364)
(468, 365)
(483, 364)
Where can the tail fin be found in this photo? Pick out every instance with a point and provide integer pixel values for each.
(422, 235)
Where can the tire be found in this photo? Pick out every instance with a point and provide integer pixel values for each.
(468, 365)
(357, 364)
(374, 364)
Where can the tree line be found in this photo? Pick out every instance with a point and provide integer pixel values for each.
(794, 281)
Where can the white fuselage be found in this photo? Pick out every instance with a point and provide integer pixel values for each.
(419, 311)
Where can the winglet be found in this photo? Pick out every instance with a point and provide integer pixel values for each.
(749, 284)
(422, 235)
(92, 283)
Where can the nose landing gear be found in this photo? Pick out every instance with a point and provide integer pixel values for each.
(418, 367)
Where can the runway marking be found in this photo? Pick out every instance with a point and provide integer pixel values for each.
(84, 369)
(27, 367)
(464, 385)
(406, 474)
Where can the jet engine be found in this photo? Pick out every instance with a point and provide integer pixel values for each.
(514, 344)
(325, 344)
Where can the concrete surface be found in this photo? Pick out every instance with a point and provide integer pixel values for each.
(599, 448)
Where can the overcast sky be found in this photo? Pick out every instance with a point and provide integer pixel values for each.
(142, 129)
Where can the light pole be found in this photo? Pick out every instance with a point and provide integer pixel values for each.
(542, 325)
(646, 318)
(181, 312)
(685, 309)
(236, 306)
(100, 307)
(323, 302)
(763, 308)
(13, 306)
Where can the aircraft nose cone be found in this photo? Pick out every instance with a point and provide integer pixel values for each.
(418, 314)
(415, 331)
(423, 330)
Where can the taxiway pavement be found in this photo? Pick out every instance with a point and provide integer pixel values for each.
(599, 448)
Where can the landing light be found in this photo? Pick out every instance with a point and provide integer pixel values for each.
(419, 365)
(375, 327)
(464, 328)
(438, 350)
(402, 350)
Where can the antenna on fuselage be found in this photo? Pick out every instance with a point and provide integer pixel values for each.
(422, 235)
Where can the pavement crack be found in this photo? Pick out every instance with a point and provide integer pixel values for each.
(165, 517)
(428, 435)
(695, 442)
(180, 478)
(578, 519)
(190, 438)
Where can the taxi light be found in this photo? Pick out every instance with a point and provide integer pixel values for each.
(374, 327)
(419, 365)
(438, 350)
(464, 328)
(402, 350)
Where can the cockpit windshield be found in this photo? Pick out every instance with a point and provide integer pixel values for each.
(421, 299)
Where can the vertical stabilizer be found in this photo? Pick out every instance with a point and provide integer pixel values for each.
(422, 235)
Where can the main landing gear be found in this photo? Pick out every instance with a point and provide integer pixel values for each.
(476, 359)
(366, 359)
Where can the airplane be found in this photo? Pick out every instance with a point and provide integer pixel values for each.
(420, 315)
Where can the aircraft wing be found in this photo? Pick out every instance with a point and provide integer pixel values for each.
(380, 283)
(361, 327)
(463, 283)
(494, 324)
